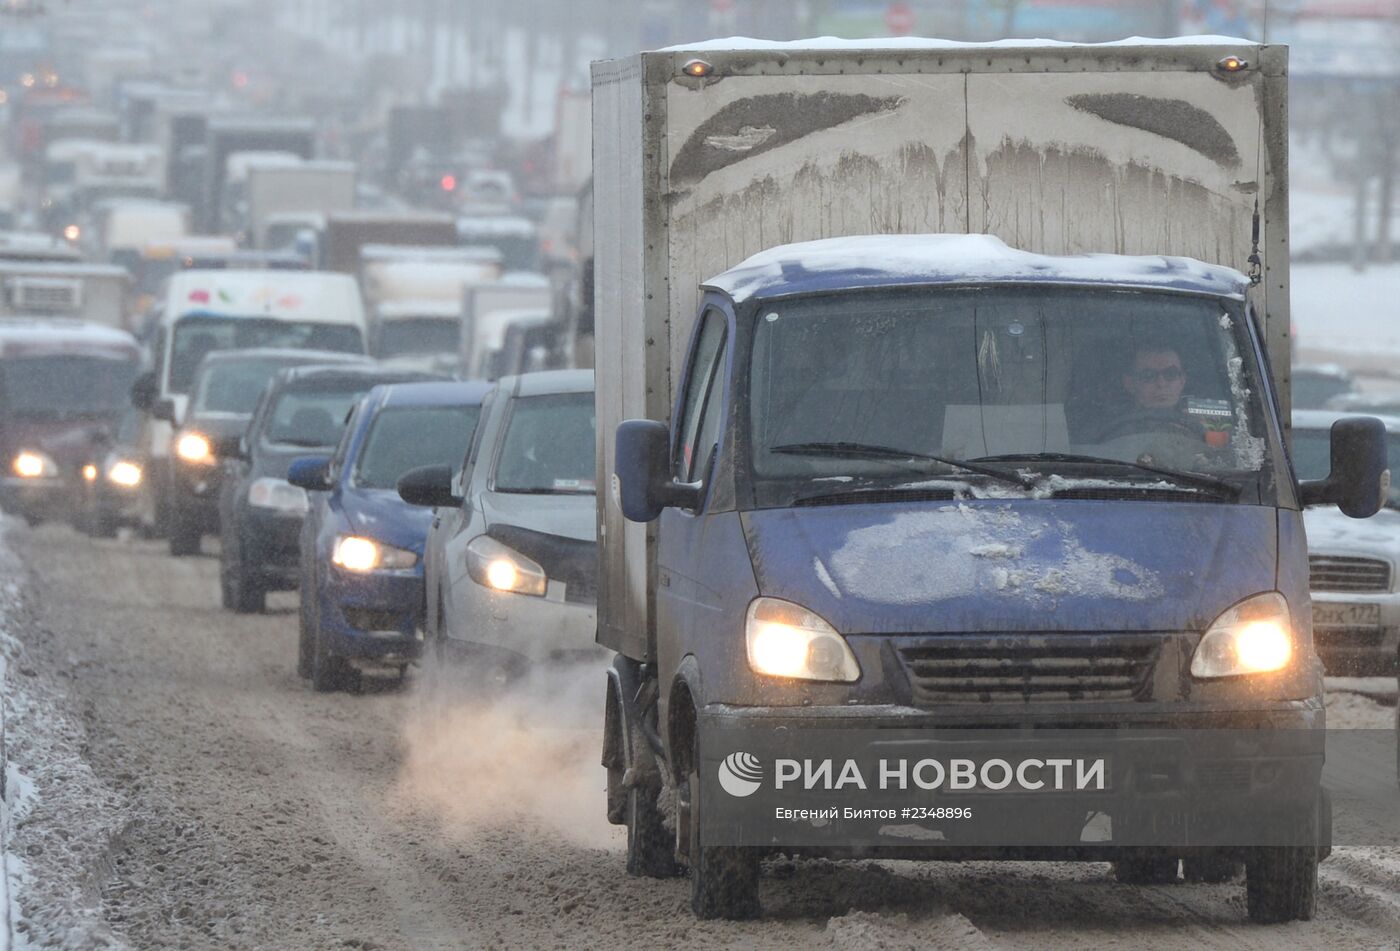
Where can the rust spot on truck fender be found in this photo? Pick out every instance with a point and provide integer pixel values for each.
(759, 124)
(1172, 119)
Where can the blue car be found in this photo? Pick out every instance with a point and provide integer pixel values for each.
(361, 545)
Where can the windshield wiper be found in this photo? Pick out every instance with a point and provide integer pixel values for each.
(855, 450)
(1194, 480)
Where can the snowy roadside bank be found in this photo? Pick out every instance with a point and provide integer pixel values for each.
(59, 820)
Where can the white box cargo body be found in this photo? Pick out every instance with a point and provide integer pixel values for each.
(1137, 147)
(322, 187)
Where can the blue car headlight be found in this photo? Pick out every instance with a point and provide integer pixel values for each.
(359, 555)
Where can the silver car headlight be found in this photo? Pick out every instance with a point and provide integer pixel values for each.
(503, 568)
(1253, 637)
(278, 495)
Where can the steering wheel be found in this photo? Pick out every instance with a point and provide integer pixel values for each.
(1151, 421)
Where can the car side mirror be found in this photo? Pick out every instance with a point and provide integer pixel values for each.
(642, 464)
(428, 486)
(164, 409)
(1359, 482)
(312, 473)
(228, 447)
(144, 390)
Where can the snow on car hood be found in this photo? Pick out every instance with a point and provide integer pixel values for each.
(1025, 565)
(1331, 532)
(569, 516)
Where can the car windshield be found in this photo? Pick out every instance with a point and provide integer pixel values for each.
(1312, 455)
(418, 335)
(548, 447)
(198, 335)
(408, 437)
(233, 386)
(50, 386)
(1072, 382)
(312, 416)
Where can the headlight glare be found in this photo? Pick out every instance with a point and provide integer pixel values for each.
(1253, 637)
(89, 473)
(195, 447)
(125, 474)
(361, 555)
(34, 465)
(503, 568)
(787, 640)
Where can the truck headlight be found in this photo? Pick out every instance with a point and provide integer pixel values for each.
(503, 568)
(125, 474)
(787, 640)
(360, 555)
(34, 465)
(195, 448)
(278, 495)
(1253, 637)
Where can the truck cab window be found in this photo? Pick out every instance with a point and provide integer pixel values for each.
(709, 347)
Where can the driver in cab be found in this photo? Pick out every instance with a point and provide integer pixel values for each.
(1154, 384)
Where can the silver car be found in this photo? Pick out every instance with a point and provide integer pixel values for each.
(511, 572)
(1353, 563)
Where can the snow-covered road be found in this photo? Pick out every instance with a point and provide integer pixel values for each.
(189, 791)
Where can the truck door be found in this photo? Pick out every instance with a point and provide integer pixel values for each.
(685, 603)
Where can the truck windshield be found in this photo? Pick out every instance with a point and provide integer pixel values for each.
(897, 387)
(418, 335)
(548, 447)
(197, 335)
(233, 386)
(413, 436)
(63, 386)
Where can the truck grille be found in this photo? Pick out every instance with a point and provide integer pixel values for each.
(1025, 668)
(1339, 573)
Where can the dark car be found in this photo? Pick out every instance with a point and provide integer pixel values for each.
(1315, 385)
(224, 394)
(361, 544)
(63, 386)
(303, 410)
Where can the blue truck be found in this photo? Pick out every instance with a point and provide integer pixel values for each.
(942, 401)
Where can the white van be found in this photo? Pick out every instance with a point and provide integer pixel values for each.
(201, 311)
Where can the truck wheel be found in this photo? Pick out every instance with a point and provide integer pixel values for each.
(650, 845)
(1146, 869)
(723, 879)
(1281, 884)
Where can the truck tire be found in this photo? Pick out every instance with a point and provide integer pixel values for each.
(1146, 869)
(723, 879)
(1281, 884)
(650, 845)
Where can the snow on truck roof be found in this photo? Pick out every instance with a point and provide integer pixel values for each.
(313, 296)
(746, 43)
(836, 264)
(35, 336)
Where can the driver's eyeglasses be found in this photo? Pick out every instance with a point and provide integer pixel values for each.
(1167, 375)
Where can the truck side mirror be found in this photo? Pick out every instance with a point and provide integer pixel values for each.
(311, 473)
(642, 463)
(164, 409)
(144, 390)
(428, 486)
(1360, 479)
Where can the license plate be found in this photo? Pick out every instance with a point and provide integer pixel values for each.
(1346, 615)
